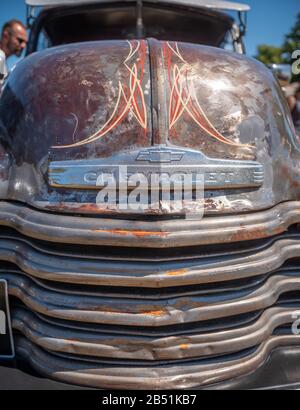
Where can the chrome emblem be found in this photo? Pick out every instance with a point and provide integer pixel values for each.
(218, 173)
(160, 156)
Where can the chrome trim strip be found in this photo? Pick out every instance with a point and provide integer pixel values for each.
(139, 377)
(151, 234)
(119, 346)
(152, 313)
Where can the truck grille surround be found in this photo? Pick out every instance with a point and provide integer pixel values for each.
(149, 314)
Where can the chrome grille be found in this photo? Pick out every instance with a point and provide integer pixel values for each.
(182, 317)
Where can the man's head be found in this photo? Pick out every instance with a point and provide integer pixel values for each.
(13, 38)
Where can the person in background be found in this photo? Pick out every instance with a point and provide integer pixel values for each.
(294, 104)
(291, 90)
(13, 41)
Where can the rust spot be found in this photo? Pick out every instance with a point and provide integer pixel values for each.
(102, 309)
(177, 272)
(286, 172)
(154, 313)
(69, 339)
(85, 208)
(243, 234)
(295, 185)
(134, 233)
(184, 346)
(95, 208)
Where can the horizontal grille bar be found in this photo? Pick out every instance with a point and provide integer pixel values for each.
(118, 346)
(149, 234)
(186, 376)
(132, 312)
(41, 263)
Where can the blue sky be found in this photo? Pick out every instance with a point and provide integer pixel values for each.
(268, 21)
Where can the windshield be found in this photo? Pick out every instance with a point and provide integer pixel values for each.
(119, 21)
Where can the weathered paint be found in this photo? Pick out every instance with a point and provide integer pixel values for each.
(103, 99)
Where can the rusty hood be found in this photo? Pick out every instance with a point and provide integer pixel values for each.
(72, 113)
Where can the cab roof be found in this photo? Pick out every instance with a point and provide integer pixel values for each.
(209, 4)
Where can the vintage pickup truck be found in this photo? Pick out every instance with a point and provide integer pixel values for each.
(196, 291)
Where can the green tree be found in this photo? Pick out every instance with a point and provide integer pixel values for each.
(269, 54)
(282, 55)
(292, 41)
